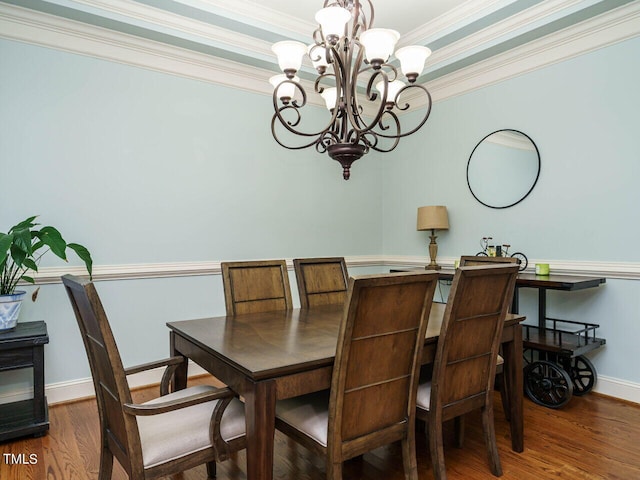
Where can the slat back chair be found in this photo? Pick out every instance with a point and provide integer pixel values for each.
(321, 281)
(465, 362)
(163, 436)
(256, 286)
(372, 398)
(470, 260)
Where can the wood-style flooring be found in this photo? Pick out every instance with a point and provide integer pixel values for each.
(592, 437)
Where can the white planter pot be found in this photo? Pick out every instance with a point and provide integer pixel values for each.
(10, 309)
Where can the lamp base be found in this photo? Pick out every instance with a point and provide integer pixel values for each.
(433, 267)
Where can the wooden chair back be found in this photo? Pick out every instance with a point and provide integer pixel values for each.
(465, 363)
(469, 260)
(256, 286)
(321, 281)
(375, 376)
(119, 431)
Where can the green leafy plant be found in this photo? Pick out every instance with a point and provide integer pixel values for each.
(24, 245)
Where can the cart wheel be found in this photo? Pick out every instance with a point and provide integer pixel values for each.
(547, 384)
(524, 262)
(582, 373)
(481, 254)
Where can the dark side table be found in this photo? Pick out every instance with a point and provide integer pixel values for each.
(23, 347)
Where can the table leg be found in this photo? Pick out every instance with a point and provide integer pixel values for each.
(260, 412)
(542, 308)
(179, 380)
(513, 374)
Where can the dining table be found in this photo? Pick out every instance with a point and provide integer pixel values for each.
(269, 356)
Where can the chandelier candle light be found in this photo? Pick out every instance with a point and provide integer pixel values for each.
(348, 54)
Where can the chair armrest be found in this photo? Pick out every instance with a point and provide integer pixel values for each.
(177, 360)
(172, 405)
(172, 364)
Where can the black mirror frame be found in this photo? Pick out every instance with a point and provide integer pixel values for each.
(534, 183)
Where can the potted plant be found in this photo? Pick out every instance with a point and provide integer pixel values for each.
(20, 252)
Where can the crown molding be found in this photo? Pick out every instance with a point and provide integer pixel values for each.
(456, 17)
(604, 30)
(25, 25)
(498, 32)
(29, 26)
(244, 9)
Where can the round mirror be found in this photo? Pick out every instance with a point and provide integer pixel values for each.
(503, 168)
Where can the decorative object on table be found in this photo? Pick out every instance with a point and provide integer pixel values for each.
(347, 55)
(503, 168)
(542, 269)
(489, 250)
(20, 252)
(433, 218)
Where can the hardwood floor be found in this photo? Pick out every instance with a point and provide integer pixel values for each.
(592, 437)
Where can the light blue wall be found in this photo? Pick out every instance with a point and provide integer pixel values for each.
(583, 116)
(143, 167)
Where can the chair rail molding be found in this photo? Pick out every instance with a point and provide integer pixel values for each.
(51, 275)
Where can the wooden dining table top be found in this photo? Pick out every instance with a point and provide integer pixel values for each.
(271, 344)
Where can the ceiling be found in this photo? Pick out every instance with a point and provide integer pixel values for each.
(460, 33)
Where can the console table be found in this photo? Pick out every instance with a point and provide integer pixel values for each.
(23, 347)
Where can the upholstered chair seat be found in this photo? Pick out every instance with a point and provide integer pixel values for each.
(161, 442)
(308, 413)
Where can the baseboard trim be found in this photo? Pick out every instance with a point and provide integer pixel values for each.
(621, 389)
(75, 390)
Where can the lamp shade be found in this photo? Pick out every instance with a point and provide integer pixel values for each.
(379, 43)
(289, 54)
(330, 96)
(393, 89)
(412, 59)
(318, 56)
(433, 218)
(285, 90)
(332, 20)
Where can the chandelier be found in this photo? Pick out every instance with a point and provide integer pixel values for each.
(351, 58)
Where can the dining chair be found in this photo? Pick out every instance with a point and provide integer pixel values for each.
(373, 387)
(321, 281)
(466, 357)
(256, 286)
(166, 435)
(470, 260)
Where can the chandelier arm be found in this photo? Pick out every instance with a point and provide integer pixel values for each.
(377, 135)
(275, 137)
(361, 126)
(422, 122)
(289, 125)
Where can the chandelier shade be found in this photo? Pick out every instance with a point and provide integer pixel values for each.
(289, 55)
(378, 44)
(332, 21)
(359, 81)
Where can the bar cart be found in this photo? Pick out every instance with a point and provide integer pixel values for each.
(556, 365)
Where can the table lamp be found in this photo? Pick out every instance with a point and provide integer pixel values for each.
(433, 218)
